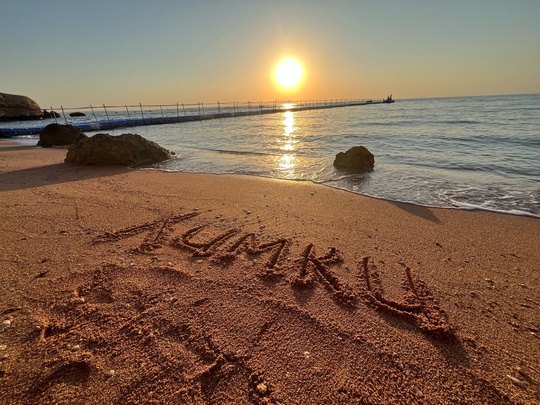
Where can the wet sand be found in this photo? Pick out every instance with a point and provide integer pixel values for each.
(123, 286)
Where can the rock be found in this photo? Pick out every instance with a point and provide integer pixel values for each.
(357, 159)
(77, 114)
(59, 135)
(15, 107)
(123, 150)
(262, 388)
(5, 325)
(516, 381)
(50, 114)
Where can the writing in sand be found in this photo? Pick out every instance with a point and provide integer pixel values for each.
(222, 247)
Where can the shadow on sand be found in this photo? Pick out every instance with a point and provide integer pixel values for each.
(417, 210)
(56, 173)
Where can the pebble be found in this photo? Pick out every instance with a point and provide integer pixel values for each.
(79, 300)
(262, 388)
(5, 324)
(110, 373)
(515, 380)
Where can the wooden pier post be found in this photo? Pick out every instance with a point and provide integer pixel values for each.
(64, 114)
(107, 114)
(142, 114)
(54, 115)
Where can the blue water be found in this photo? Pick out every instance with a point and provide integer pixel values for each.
(472, 152)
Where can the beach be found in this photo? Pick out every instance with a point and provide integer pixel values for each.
(142, 286)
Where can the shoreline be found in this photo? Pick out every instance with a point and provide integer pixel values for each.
(454, 207)
(325, 184)
(141, 285)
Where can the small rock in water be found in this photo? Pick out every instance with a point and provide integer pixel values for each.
(357, 160)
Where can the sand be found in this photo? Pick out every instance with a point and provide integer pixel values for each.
(138, 286)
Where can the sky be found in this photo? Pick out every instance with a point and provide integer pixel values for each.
(116, 52)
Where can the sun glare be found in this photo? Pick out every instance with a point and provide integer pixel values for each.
(288, 74)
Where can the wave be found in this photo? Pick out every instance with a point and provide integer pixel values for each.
(458, 122)
(232, 152)
(448, 203)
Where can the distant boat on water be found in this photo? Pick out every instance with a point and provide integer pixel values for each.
(388, 100)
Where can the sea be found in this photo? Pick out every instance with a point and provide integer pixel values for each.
(479, 153)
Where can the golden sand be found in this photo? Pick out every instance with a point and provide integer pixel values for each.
(139, 286)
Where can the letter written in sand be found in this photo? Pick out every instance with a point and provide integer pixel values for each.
(222, 247)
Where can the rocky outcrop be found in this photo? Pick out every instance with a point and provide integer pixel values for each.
(124, 150)
(15, 107)
(356, 160)
(59, 135)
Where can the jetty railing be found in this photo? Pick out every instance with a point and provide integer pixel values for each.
(95, 118)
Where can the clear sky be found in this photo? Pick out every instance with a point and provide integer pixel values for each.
(76, 52)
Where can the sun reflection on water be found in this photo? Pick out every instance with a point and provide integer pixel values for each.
(287, 160)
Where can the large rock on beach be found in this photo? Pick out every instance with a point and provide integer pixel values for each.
(356, 160)
(121, 150)
(59, 135)
(15, 107)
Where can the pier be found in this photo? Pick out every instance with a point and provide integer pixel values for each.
(108, 117)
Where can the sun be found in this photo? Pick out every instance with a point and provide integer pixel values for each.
(288, 74)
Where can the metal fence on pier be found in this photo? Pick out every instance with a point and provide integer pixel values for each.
(95, 118)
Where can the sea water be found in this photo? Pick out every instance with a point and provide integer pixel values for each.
(470, 152)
